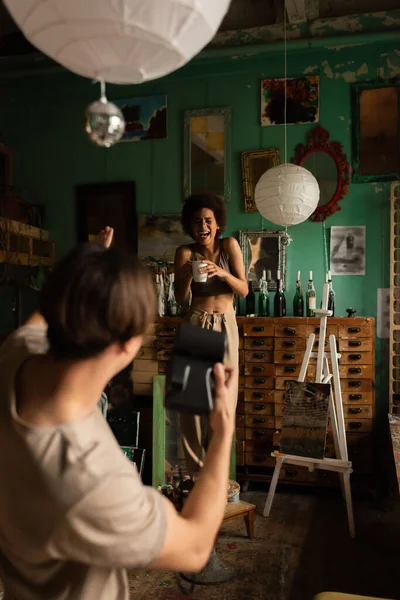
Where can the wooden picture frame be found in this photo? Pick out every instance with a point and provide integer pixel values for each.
(269, 254)
(102, 204)
(207, 136)
(254, 164)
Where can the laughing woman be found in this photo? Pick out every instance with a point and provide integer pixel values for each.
(204, 219)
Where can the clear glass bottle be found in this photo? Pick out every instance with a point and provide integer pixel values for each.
(311, 297)
(263, 297)
(251, 300)
(331, 295)
(172, 305)
(298, 300)
(279, 299)
(160, 295)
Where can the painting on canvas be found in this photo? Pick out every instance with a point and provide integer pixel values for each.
(348, 250)
(145, 118)
(158, 238)
(302, 100)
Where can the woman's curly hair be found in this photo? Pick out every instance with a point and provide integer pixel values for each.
(195, 203)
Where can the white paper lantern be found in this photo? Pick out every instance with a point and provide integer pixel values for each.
(119, 41)
(287, 194)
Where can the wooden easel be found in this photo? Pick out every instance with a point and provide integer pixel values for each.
(341, 464)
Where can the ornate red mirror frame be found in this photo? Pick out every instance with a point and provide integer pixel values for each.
(318, 141)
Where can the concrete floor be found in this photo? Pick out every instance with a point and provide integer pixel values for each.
(303, 548)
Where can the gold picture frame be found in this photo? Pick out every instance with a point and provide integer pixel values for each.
(254, 164)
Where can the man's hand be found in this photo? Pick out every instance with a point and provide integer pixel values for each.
(106, 236)
(222, 418)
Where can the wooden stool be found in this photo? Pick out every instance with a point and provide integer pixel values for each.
(239, 510)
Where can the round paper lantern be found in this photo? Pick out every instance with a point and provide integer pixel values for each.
(287, 194)
(119, 41)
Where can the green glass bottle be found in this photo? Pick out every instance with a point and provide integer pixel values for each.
(298, 300)
(263, 297)
(251, 300)
(311, 297)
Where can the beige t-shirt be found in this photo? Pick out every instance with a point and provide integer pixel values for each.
(73, 511)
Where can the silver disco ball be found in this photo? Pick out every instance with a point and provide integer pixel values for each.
(104, 123)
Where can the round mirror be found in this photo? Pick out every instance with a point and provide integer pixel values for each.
(323, 166)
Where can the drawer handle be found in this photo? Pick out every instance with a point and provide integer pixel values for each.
(354, 330)
(258, 420)
(355, 396)
(355, 425)
(258, 342)
(354, 411)
(289, 330)
(259, 433)
(169, 329)
(290, 369)
(289, 356)
(353, 343)
(261, 369)
(258, 395)
(355, 356)
(354, 383)
(290, 343)
(259, 406)
(259, 458)
(259, 380)
(291, 473)
(258, 329)
(355, 370)
(258, 355)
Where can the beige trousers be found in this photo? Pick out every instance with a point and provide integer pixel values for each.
(194, 429)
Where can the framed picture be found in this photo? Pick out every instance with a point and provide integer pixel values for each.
(102, 204)
(207, 152)
(348, 250)
(254, 164)
(302, 100)
(264, 251)
(158, 238)
(376, 131)
(145, 118)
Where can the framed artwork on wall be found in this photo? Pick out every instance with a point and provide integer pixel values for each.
(254, 164)
(158, 238)
(302, 100)
(376, 131)
(264, 250)
(145, 118)
(207, 152)
(102, 204)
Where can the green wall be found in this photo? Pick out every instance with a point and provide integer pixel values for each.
(42, 116)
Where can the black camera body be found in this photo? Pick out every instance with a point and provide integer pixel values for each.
(190, 384)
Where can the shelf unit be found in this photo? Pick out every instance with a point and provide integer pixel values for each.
(25, 245)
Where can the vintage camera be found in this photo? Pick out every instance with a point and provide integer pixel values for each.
(190, 383)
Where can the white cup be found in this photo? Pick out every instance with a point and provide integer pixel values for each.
(197, 276)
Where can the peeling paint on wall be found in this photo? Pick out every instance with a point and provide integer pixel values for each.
(390, 21)
(346, 24)
(327, 69)
(337, 48)
(389, 65)
(341, 118)
(310, 69)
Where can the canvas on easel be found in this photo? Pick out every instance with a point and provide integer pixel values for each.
(305, 419)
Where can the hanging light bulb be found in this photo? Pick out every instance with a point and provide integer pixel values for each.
(104, 122)
(287, 194)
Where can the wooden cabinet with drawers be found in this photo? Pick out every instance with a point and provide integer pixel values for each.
(270, 353)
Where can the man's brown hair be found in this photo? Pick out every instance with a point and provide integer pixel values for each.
(96, 297)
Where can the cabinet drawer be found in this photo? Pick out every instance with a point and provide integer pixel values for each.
(354, 372)
(240, 453)
(357, 398)
(280, 382)
(259, 408)
(294, 358)
(260, 459)
(356, 330)
(361, 345)
(164, 354)
(279, 409)
(364, 411)
(259, 382)
(355, 424)
(260, 343)
(239, 420)
(279, 396)
(147, 353)
(294, 370)
(162, 366)
(145, 365)
(289, 344)
(261, 446)
(356, 385)
(167, 329)
(259, 395)
(240, 408)
(289, 330)
(295, 474)
(330, 330)
(149, 341)
(350, 358)
(319, 476)
(240, 433)
(260, 422)
(265, 356)
(165, 343)
(259, 369)
(259, 434)
(263, 329)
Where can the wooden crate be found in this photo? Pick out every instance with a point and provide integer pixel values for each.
(25, 245)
